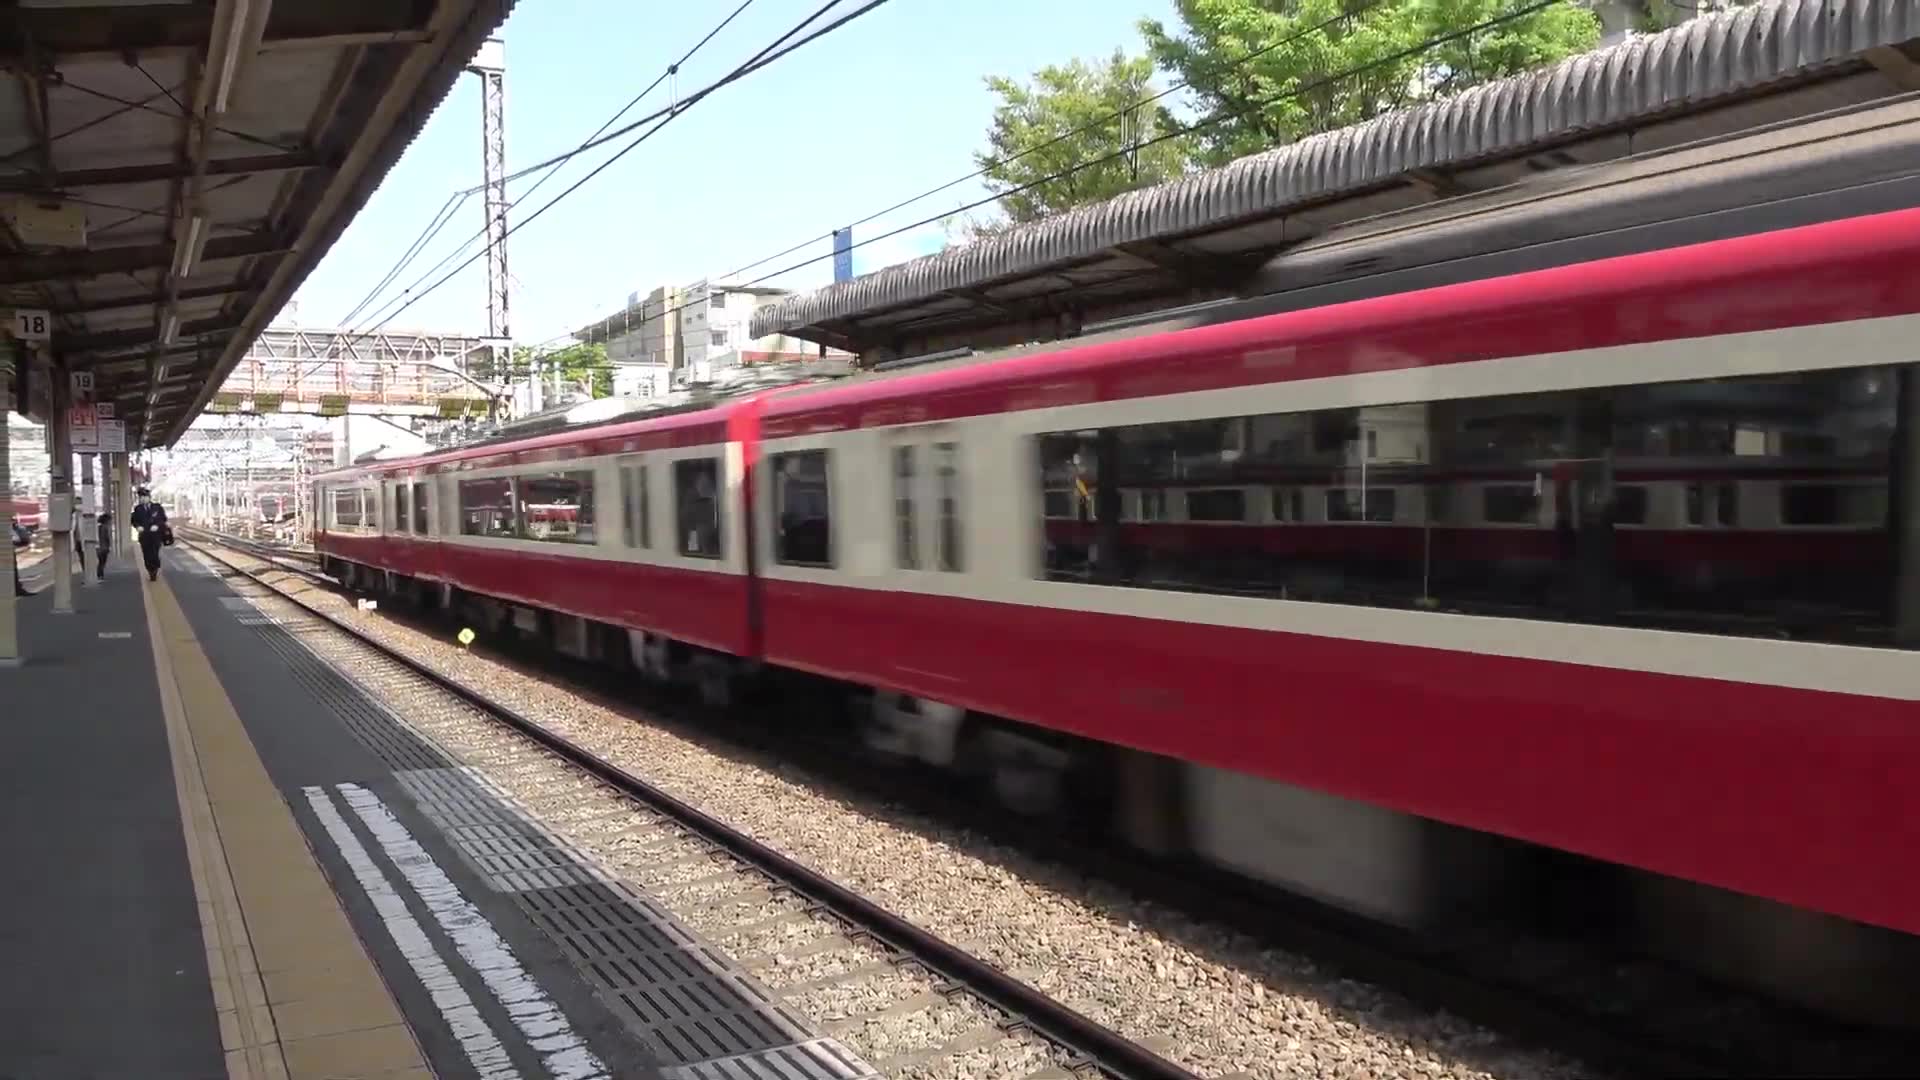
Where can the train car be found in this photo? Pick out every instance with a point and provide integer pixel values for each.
(1617, 558)
(31, 514)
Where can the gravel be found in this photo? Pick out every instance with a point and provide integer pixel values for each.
(1208, 998)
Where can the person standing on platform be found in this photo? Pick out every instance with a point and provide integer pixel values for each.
(150, 519)
(20, 541)
(104, 527)
(79, 547)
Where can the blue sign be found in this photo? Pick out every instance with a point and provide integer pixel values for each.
(843, 254)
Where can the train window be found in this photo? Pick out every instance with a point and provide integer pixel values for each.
(946, 476)
(634, 494)
(1229, 504)
(696, 492)
(906, 538)
(802, 509)
(1360, 504)
(487, 507)
(422, 525)
(1630, 504)
(402, 516)
(1153, 504)
(557, 507)
(1505, 474)
(346, 507)
(1510, 504)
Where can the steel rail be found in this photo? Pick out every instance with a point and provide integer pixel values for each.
(1093, 1044)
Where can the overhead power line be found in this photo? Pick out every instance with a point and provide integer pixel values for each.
(1092, 125)
(780, 48)
(1205, 122)
(551, 165)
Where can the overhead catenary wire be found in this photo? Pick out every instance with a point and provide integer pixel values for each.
(772, 53)
(1208, 121)
(552, 165)
(1091, 125)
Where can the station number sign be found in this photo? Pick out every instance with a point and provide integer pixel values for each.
(32, 324)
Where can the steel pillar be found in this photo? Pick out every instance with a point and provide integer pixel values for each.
(89, 517)
(490, 63)
(60, 487)
(122, 511)
(9, 625)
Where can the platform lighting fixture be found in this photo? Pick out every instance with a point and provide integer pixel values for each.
(230, 54)
(169, 328)
(193, 243)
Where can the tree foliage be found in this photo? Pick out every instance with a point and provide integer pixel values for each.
(581, 364)
(1070, 115)
(1274, 71)
(1253, 75)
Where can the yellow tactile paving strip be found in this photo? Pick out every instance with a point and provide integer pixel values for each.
(297, 993)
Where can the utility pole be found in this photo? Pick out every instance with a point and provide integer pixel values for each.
(490, 63)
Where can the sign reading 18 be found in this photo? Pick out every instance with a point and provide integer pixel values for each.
(32, 324)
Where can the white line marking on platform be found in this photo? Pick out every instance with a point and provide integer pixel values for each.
(539, 1019)
(469, 1028)
(115, 634)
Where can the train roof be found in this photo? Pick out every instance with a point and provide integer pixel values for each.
(1855, 268)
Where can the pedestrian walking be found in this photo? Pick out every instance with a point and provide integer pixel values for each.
(150, 520)
(104, 529)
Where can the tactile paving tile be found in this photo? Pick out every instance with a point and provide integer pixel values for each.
(705, 1016)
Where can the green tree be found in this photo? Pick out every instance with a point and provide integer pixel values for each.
(1272, 73)
(580, 364)
(1037, 135)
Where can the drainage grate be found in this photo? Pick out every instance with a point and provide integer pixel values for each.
(373, 726)
(819, 1059)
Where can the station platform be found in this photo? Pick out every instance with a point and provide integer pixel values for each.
(216, 874)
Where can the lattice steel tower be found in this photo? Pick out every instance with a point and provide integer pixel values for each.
(490, 63)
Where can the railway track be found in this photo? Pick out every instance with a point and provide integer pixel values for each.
(1610, 1034)
(984, 1005)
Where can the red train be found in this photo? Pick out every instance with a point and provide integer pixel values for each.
(1618, 558)
(30, 513)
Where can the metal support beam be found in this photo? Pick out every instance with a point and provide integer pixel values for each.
(74, 344)
(165, 28)
(147, 299)
(162, 170)
(9, 625)
(61, 265)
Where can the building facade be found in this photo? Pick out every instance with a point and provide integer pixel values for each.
(674, 338)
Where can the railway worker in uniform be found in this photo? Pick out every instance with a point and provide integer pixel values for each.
(150, 519)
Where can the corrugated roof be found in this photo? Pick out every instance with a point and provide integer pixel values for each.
(1708, 59)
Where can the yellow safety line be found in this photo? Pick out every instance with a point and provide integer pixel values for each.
(352, 1026)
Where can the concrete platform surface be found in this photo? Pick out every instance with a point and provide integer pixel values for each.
(219, 869)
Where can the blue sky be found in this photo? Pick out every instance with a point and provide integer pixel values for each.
(887, 107)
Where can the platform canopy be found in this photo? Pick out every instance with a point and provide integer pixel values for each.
(171, 171)
(1199, 237)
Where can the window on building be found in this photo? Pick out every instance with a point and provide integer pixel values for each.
(422, 524)
(906, 537)
(1507, 475)
(696, 493)
(946, 476)
(802, 509)
(346, 507)
(487, 507)
(557, 507)
(719, 337)
(634, 496)
(718, 298)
